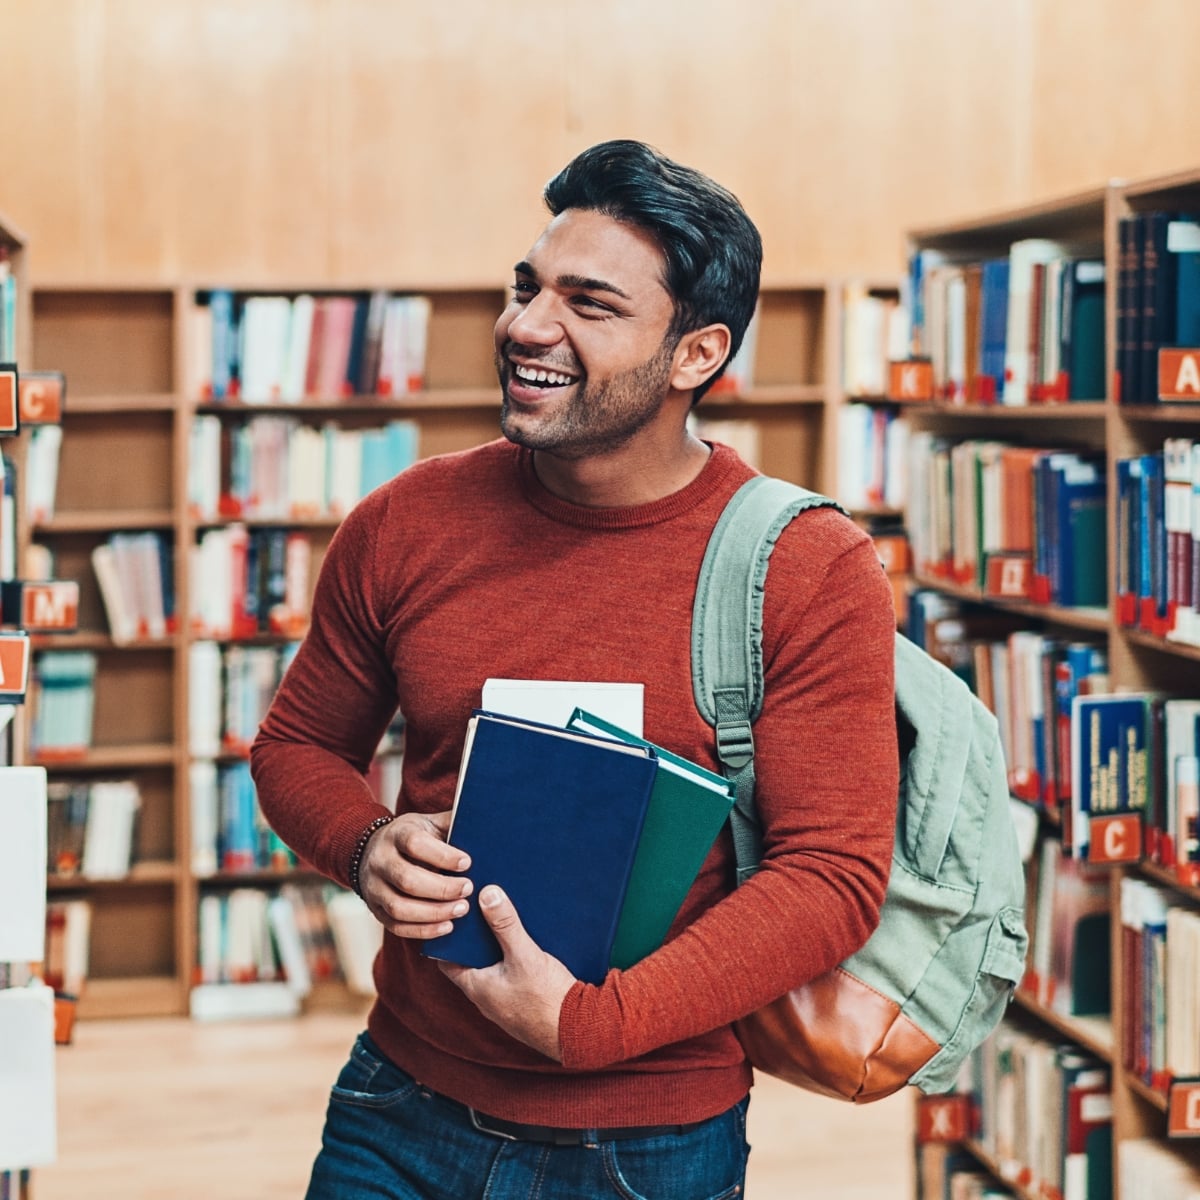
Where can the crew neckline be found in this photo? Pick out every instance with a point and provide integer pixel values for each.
(722, 462)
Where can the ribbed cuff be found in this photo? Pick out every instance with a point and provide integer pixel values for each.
(589, 1029)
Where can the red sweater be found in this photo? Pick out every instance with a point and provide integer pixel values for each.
(465, 567)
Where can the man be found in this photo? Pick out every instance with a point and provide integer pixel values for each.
(569, 550)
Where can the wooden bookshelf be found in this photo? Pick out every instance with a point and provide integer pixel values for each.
(1138, 660)
(131, 401)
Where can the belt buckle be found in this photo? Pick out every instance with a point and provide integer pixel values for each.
(479, 1125)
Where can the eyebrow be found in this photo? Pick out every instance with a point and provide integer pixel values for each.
(575, 281)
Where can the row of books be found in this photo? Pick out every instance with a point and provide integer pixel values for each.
(229, 831)
(61, 698)
(872, 446)
(229, 690)
(1157, 296)
(1157, 569)
(1073, 749)
(1016, 521)
(1044, 1113)
(135, 572)
(1160, 956)
(282, 349)
(245, 582)
(261, 951)
(279, 468)
(875, 332)
(1022, 328)
(91, 827)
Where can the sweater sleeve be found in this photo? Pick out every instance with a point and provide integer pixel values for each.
(826, 784)
(312, 751)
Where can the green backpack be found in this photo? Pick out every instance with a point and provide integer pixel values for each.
(935, 977)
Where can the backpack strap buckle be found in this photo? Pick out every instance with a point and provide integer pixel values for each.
(734, 733)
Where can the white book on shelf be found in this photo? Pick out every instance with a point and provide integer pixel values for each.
(204, 698)
(41, 472)
(1019, 347)
(198, 350)
(286, 934)
(358, 936)
(204, 466)
(416, 335)
(295, 364)
(28, 1124)
(264, 333)
(204, 806)
(108, 833)
(122, 620)
(210, 921)
(22, 863)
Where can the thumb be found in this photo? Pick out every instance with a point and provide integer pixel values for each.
(502, 919)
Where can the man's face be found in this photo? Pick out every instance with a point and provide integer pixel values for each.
(580, 348)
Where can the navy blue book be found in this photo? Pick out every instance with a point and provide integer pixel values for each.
(553, 817)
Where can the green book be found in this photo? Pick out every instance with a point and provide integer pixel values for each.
(688, 806)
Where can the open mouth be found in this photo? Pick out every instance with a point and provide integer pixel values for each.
(540, 377)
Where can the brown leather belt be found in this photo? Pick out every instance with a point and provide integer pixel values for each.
(518, 1131)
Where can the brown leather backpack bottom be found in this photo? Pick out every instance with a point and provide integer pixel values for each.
(836, 1036)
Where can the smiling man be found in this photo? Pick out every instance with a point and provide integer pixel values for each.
(569, 549)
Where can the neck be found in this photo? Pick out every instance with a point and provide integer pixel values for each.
(629, 475)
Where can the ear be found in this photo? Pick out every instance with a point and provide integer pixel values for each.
(699, 355)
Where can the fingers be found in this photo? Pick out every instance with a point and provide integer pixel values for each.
(500, 914)
(404, 876)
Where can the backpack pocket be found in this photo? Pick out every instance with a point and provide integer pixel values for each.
(998, 974)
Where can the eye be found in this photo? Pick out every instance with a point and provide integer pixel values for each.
(596, 308)
(523, 291)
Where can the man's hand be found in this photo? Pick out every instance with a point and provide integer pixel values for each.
(522, 993)
(401, 876)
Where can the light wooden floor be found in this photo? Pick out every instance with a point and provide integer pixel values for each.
(176, 1110)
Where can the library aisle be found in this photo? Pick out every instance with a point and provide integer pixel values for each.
(173, 1109)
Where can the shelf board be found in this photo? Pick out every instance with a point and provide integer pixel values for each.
(1077, 618)
(1141, 1088)
(140, 996)
(1092, 1033)
(1008, 1176)
(105, 405)
(106, 520)
(766, 394)
(422, 402)
(144, 874)
(87, 639)
(1168, 878)
(1160, 412)
(325, 521)
(262, 877)
(1082, 409)
(1141, 638)
(109, 758)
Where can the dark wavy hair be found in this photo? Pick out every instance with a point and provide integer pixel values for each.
(713, 250)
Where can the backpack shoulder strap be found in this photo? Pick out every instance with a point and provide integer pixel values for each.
(727, 662)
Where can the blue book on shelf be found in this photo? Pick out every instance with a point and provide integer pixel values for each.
(224, 341)
(993, 321)
(1183, 241)
(554, 817)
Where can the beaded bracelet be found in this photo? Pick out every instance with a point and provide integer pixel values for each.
(361, 846)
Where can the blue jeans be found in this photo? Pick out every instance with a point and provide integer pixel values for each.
(389, 1138)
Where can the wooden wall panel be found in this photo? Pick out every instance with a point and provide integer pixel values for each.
(282, 141)
(1115, 91)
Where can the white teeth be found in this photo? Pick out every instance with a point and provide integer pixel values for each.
(538, 375)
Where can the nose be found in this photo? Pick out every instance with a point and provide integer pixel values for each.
(535, 322)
